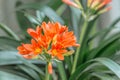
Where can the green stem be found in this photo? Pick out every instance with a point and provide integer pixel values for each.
(61, 70)
(82, 35)
(47, 76)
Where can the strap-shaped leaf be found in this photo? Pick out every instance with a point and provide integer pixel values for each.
(100, 49)
(32, 19)
(8, 43)
(111, 26)
(9, 31)
(9, 76)
(30, 72)
(49, 12)
(110, 64)
(29, 64)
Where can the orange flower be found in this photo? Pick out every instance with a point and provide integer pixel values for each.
(61, 42)
(98, 4)
(36, 34)
(52, 38)
(69, 2)
(51, 29)
(39, 36)
(30, 51)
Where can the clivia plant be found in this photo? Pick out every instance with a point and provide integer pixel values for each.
(70, 54)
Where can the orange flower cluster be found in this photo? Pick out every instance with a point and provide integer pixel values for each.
(99, 4)
(96, 5)
(52, 38)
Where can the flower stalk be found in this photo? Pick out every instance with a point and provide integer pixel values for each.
(82, 35)
(61, 70)
(47, 76)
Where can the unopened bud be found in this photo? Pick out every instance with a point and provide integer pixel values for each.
(50, 68)
(68, 2)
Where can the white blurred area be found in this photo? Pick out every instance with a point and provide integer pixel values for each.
(107, 18)
(7, 14)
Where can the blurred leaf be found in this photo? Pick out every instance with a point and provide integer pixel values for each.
(23, 22)
(51, 14)
(30, 72)
(78, 71)
(110, 64)
(104, 61)
(75, 14)
(111, 26)
(36, 6)
(14, 70)
(61, 70)
(98, 51)
(9, 31)
(104, 76)
(9, 76)
(84, 38)
(40, 15)
(29, 64)
(8, 43)
(54, 4)
(11, 57)
(111, 50)
(32, 19)
(98, 34)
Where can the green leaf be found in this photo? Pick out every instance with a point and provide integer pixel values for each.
(78, 71)
(54, 4)
(30, 72)
(111, 65)
(98, 34)
(61, 70)
(103, 76)
(9, 31)
(111, 26)
(9, 76)
(9, 57)
(36, 6)
(75, 14)
(99, 50)
(14, 70)
(51, 14)
(32, 19)
(29, 64)
(23, 22)
(61, 9)
(40, 15)
(111, 50)
(8, 43)
(12, 57)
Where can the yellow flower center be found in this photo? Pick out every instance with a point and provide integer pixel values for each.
(37, 50)
(54, 39)
(54, 52)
